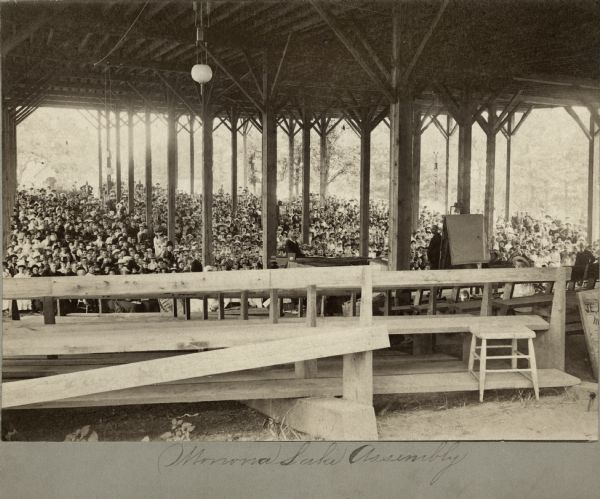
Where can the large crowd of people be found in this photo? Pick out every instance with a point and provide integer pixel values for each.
(72, 233)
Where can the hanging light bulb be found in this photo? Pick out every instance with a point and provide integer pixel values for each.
(201, 72)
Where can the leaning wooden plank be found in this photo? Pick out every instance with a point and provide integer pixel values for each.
(102, 338)
(314, 387)
(194, 365)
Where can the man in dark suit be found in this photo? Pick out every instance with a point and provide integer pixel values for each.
(292, 246)
(434, 249)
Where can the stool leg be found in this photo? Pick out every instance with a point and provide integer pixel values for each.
(513, 361)
(472, 352)
(482, 368)
(533, 367)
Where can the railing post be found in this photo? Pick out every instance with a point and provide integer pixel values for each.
(49, 312)
(550, 345)
(357, 374)
(308, 368)
(244, 306)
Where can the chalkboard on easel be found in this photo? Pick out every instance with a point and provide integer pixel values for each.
(464, 241)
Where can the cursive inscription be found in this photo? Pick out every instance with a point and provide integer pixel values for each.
(441, 460)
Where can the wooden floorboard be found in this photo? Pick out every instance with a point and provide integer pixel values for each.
(317, 387)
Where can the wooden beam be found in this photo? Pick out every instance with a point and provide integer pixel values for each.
(192, 153)
(172, 157)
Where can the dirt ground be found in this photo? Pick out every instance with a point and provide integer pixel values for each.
(561, 414)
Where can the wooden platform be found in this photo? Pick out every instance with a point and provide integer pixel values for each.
(394, 373)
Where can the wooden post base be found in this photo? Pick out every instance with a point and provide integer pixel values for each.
(329, 418)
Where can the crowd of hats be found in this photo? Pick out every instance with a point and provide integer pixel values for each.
(73, 233)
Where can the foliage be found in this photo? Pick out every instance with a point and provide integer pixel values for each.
(180, 431)
(83, 434)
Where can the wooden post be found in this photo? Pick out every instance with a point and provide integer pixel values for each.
(118, 151)
(365, 186)
(187, 306)
(269, 185)
(274, 306)
(207, 184)
(108, 155)
(205, 308)
(234, 165)
(49, 310)
(192, 154)
(357, 372)
(221, 309)
(490, 172)
(401, 203)
(291, 162)
(130, 164)
(590, 193)
(465, 131)
(447, 183)
(308, 368)
(305, 177)
(245, 129)
(244, 306)
(171, 171)
(323, 161)
(100, 181)
(509, 130)
(9, 173)
(416, 164)
(550, 346)
(148, 125)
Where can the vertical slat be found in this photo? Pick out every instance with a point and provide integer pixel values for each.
(49, 312)
(432, 305)
(353, 304)
(118, 151)
(387, 304)
(205, 308)
(308, 368)
(274, 306)
(244, 305)
(221, 310)
(174, 307)
(188, 311)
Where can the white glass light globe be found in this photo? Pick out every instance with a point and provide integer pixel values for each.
(201, 73)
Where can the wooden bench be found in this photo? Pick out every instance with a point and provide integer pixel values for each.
(254, 346)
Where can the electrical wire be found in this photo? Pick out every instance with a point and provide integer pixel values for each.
(122, 39)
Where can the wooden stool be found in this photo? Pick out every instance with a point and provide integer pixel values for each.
(513, 334)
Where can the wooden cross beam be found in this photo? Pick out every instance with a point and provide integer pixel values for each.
(580, 123)
(363, 62)
(411, 66)
(279, 66)
(176, 93)
(227, 73)
(250, 62)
